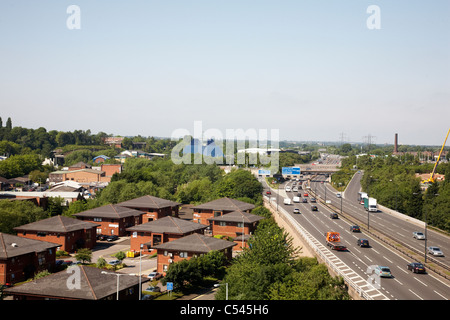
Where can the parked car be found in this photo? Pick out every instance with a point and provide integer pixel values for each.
(112, 238)
(416, 267)
(296, 210)
(418, 235)
(101, 237)
(435, 251)
(383, 271)
(355, 228)
(114, 262)
(334, 215)
(363, 243)
(154, 276)
(153, 289)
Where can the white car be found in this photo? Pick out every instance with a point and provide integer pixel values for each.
(296, 210)
(435, 251)
(383, 271)
(288, 188)
(418, 235)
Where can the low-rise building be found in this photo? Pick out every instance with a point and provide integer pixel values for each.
(71, 234)
(160, 231)
(188, 247)
(112, 219)
(217, 208)
(236, 225)
(21, 258)
(80, 283)
(153, 208)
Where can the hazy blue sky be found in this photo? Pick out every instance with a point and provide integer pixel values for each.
(312, 69)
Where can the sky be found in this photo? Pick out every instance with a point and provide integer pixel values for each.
(313, 70)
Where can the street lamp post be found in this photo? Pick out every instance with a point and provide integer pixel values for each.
(226, 289)
(118, 276)
(140, 270)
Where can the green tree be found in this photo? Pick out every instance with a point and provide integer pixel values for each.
(84, 255)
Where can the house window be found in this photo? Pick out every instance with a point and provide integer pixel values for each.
(222, 223)
(217, 213)
(165, 267)
(156, 239)
(165, 252)
(240, 225)
(183, 254)
(97, 219)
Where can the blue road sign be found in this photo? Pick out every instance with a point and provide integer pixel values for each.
(290, 170)
(169, 286)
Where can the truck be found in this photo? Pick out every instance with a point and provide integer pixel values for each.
(361, 197)
(333, 240)
(287, 201)
(296, 199)
(370, 204)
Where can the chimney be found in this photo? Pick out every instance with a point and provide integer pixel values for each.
(396, 143)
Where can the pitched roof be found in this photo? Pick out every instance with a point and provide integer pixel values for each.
(112, 211)
(196, 243)
(57, 224)
(13, 246)
(238, 216)
(93, 283)
(168, 225)
(149, 202)
(226, 204)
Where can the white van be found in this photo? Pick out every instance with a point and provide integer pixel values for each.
(287, 201)
(296, 199)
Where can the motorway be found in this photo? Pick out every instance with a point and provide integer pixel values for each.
(403, 285)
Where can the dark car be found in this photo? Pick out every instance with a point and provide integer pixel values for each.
(334, 215)
(355, 228)
(101, 237)
(314, 208)
(304, 200)
(363, 243)
(313, 199)
(416, 267)
(112, 238)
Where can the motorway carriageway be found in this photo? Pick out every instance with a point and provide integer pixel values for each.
(404, 285)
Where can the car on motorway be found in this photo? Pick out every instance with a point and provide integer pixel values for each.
(305, 194)
(314, 208)
(382, 271)
(363, 243)
(334, 215)
(355, 228)
(416, 267)
(294, 189)
(268, 192)
(304, 200)
(287, 201)
(288, 189)
(418, 235)
(338, 194)
(154, 276)
(313, 199)
(296, 210)
(435, 251)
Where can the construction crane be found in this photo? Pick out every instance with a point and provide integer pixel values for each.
(431, 178)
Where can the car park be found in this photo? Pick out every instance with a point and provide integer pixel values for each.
(416, 267)
(418, 235)
(334, 215)
(296, 210)
(363, 243)
(355, 228)
(382, 271)
(435, 251)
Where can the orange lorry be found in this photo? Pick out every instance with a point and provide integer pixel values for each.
(334, 241)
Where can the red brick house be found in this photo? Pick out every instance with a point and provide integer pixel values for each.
(153, 207)
(160, 231)
(21, 258)
(79, 283)
(71, 234)
(188, 247)
(235, 224)
(112, 218)
(219, 207)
